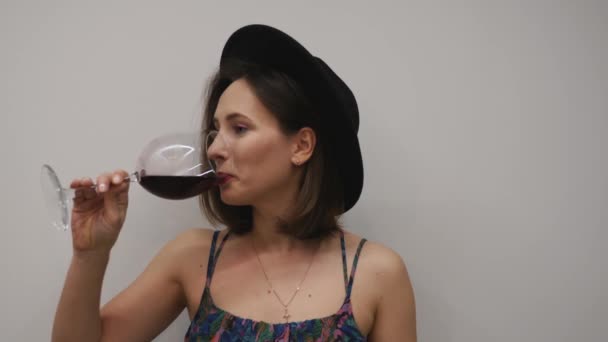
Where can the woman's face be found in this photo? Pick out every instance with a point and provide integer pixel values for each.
(251, 149)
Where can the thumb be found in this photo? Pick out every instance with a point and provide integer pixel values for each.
(116, 200)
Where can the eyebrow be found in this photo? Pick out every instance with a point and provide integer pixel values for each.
(229, 117)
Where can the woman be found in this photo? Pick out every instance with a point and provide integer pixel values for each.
(284, 270)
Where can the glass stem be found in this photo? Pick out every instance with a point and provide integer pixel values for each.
(133, 178)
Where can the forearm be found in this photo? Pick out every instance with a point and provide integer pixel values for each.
(78, 313)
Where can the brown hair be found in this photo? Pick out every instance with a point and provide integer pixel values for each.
(320, 200)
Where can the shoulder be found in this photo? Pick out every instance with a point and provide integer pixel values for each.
(395, 308)
(386, 261)
(382, 267)
(376, 255)
(383, 299)
(193, 238)
(190, 245)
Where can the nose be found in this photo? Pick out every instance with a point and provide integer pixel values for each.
(216, 147)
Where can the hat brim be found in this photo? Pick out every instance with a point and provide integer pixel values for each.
(267, 46)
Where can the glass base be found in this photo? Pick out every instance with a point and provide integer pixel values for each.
(55, 198)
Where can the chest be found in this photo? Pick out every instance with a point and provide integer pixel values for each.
(281, 291)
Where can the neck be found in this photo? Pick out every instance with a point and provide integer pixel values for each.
(267, 212)
(268, 237)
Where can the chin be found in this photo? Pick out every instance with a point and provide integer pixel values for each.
(230, 198)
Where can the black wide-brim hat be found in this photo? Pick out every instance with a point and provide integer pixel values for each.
(266, 46)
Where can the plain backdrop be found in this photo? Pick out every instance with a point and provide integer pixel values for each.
(484, 130)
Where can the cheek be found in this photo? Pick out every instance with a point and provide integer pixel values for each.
(260, 167)
(262, 162)
(264, 156)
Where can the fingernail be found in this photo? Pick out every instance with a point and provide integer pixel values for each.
(116, 179)
(102, 187)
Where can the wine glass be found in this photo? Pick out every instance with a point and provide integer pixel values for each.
(172, 166)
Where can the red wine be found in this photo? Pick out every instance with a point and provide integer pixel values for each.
(178, 187)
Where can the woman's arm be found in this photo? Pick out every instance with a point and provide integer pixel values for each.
(145, 309)
(395, 318)
(77, 317)
(139, 313)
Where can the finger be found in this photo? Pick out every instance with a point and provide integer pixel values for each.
(103, 182)
(81, 182)
(86, 182)
(77, 183)
(116, 200)
(78, 194)
(119, 184)
(118, 188)
(119, 176)
(89, 193)
(117, 196)
(84, 195)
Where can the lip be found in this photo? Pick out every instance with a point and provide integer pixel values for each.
(224, 177)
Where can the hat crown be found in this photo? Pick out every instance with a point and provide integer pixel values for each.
(343, 92)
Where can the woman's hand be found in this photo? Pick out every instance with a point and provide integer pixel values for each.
(99, 212)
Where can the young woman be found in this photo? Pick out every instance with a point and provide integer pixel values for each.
(283, 269)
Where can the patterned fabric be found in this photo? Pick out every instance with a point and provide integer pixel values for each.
(214, 324)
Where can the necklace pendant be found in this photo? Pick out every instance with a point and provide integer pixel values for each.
(286, 315)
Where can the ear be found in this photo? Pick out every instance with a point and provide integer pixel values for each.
(303, 145)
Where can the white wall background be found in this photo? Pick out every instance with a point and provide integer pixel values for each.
(484, 129)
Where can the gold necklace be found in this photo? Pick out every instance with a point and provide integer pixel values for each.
(286, 315)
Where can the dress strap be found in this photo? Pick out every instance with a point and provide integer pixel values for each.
(348, 282)
(213, 255)
(353, 269)
(343, 247)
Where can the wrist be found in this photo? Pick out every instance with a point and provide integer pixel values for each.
(88, 257)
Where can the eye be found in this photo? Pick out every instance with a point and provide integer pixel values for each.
(239, 129)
